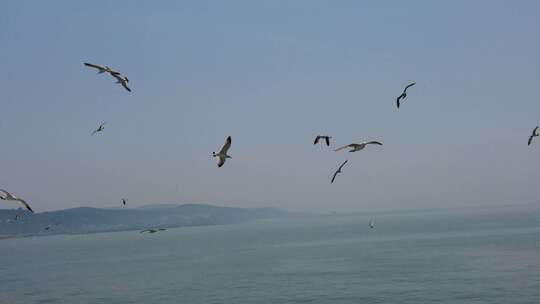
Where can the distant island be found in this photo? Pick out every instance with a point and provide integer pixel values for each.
(19, 223)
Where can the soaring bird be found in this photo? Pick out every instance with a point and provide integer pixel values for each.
(326, 139)
(404, 94)
(124, 201)
(100, 128)
(223, 152)
(8, 197)
(123, 80)
(102, 69)
(338, 171)
(534, 134)
(358, 147)
(153, 230)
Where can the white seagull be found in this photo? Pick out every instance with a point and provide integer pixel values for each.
(358, 147)
(123, 80)
(8, 197)
(534, 134)
(404, 94)
(223, 152)
(325, 137)
(100, 129)
(338, 171)
(101, 69)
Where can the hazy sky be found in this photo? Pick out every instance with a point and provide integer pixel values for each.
(272, 74)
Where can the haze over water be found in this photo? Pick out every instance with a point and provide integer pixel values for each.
(445, 256)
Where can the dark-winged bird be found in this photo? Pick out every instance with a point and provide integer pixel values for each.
(325, 137)
(338, 171)
(404, 94)
(534, 134)
(124, 201)
(100, 128)
(222, 155)
(123, 80)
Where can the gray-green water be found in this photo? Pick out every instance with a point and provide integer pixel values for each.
(462, 256)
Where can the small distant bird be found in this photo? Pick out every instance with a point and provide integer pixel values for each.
(8, 197)
(153, 230)
(123, 80)
(358, 147)
(222, 155)
(371, 224)
(47, 228)
(338, 171)
(100, 129)
(124, 201)
(404, 94)
(534, 134)
(102, 69)
(326, 139)
(17, 217)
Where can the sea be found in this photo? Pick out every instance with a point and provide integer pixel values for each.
(464, 255)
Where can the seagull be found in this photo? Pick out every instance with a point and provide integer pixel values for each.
(8, 197)
(153, 230)
(338, 171)
(100, 129)
(123, 80)
(404, 94)
(124, 201)
(534, 134)
(371, 224)
(223, 152)
(101, 69)
(326, 139)
(358, 147)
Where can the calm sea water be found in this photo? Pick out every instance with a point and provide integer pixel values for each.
(462, 256)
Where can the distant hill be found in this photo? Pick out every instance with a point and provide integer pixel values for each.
(88, 220)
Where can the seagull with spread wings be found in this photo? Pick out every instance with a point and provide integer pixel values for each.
(338, 171)
(534, 134)
(8, 197)
(222, 155)
(357, 147)
(100, 128)
(325, 137)
(404, 94)
(101, 69)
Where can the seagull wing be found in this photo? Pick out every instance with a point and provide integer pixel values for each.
(530, 140)
(334, 177)
(535, 131)
(374, 143)
(25, 205)
(95, 66)
(343, 164)
(5, 193)
(398, 99)
(226, 146)
(408, 86)
(316, 140)
(221, 161)
(327, 139)
(344, 147)
(124, 84)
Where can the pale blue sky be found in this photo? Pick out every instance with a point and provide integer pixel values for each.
(272, 75)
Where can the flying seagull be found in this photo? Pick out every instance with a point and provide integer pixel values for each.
(338, 171)
(404, 94)
(153, 230)
(8, 197)
(358, 147)
(101, 69)
(123, 80)
(223, 152)
(124, 201)
(326, 139)
(534, 134)
(100, 129)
